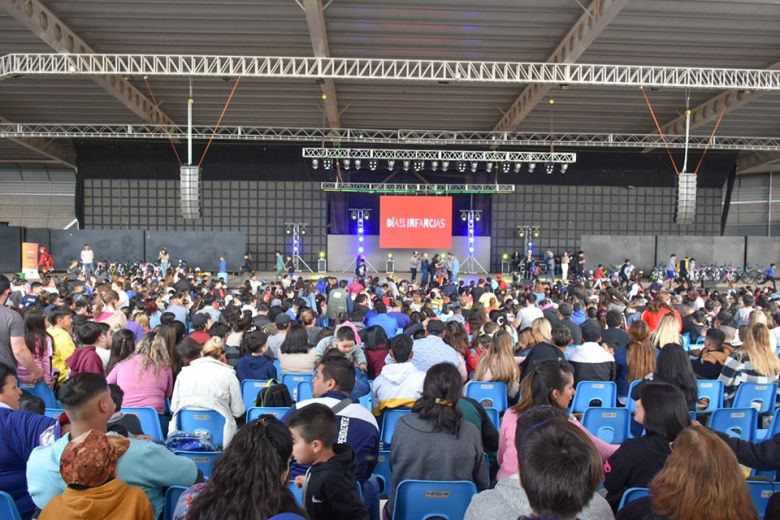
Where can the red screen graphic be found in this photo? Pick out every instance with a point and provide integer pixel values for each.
(415, 222)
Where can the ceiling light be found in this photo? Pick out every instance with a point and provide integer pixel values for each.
(474, 167)
(315, 163)
(445, 165)
(358, 162)
(489, 167)
(564, 167)
(406, 165)
(531, 167)
(345, 162)
(372, 165)
(327, 163)
(434, 165)
(550, 167)
(518, 167)
(505, 167)
(461, 167)
(391, 164)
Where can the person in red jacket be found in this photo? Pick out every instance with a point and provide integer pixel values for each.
(92, 336)
(658, 308)
(45, 260)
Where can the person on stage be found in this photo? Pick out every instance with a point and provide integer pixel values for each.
(454, 265)
(279, 264)
(247, 267)
(88, 261)
(45, 260)
(516, 261)
(165, 261)
(360, 268)
(425, 270)
(414, 264)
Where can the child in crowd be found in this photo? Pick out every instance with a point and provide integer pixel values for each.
(329, 483)
(255, 362)
(121, 423)
(91, 336)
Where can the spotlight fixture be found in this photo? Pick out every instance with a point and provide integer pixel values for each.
(322, 254)
(464, 216)
(474, 167)
(531, 167)
(418, 165)
(354, 215)
(521, 232)
(489, 167)
(434, 165)
(366, 214)
(303, 230)
(315, 163)
(505, 256)
(461, 167)
(476, 216)
(372, 165)
(288, 230)
(445, 165)
(357, 164)
(327, 163)
(505, 167)
(345, 162)
(536, 232)
(518, 167)
(564, 167)
(550, 168)
(391, 164)
(406, 165)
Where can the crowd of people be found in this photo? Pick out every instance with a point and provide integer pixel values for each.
(186, 340)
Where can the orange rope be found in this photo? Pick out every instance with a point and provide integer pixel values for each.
(219, 122)
(159, 113)
(660, 132)
(712, 135)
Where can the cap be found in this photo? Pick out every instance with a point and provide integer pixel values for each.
(276, 302)
(199, 320)
(91, 459)
(282, 320)
(435, 326)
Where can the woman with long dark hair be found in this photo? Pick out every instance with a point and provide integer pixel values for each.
(122, 347)
(377, 347)
(663, 411)
(249, 479)
(635, 360)
(296, 354)
(453, 446)
(673, 366)
(40, 344)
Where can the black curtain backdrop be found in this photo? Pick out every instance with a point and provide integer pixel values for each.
(340, 220)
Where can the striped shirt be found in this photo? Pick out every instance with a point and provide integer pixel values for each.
(737, 370)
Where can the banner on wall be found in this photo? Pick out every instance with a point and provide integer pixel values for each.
(30, 260)
(415, 222)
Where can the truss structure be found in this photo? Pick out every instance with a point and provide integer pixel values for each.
(381, 136)
(389, 70)
(418, 189)
(437, 155)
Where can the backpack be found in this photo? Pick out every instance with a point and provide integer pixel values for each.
(274, 394)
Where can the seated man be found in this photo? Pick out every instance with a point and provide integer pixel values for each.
(88, 404)
(400, 383)
(591, 361)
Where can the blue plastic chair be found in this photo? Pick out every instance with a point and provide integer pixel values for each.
(632, 494)
(686, 341)
(605, 392)
(297, 493)
(748, 394)
(191, 419)
(150, 421)
(760, 491)
(54, 413)
(171, 499)
(365, 401)
(256, 411)
(490, 394)
(735, 422)
(383, 472)
(8, 508)
(712, 390)
(292, 381)
(427, 499)
(278, 366)
(494, 417)
(204, 460)
(42, 390)
(305, 391)
(631, 403)
(249, 390)
(389, 420)
(608, 424)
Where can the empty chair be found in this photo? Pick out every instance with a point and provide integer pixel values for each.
(608, 424)
(594, 393)
(389, 418)
(292, 381)
(249, 390)
(490, 394)
(42, 390)
(383, 472)
(191, 419)
(774, 427)
(760, 491)
(278, 367)
(256, 411)
(171, 499)
(304, 392)
(150, 422)
(431, 499)
(631, 494)
(735, 422)
(8, 508)
(762, 397)
(494, 416)
(204, 460)
(365, 401)
(710, 395)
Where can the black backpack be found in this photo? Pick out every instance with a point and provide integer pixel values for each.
(274, 394)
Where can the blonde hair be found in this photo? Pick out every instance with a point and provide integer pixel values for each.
(542, 329)
(214, 347)
(154, 352)
(498, 359)
(142, 320)
(757, 347)
(668, 331)
(758, 316)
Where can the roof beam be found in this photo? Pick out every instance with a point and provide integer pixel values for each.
(57, 35)
(46, 147)
(758, 162)
(581, 35)
(315, 20)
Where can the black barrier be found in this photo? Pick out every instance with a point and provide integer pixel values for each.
(10, 249)
(108, 245)
(40, 236)
(199, 248)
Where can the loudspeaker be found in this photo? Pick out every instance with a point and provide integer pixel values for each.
(685, 207)
(189, 188)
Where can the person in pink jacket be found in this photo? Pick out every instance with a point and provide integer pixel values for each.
(551, 382)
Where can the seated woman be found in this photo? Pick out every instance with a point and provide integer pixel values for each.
(663, 411)
(296, 355)
(635, 360)
(701, 474)
(209, 382)
(434, 442)
(249, 479)
(673, 366)
(40, 344)
(552, 383)
(754, 362)
(498, 364)
(377, 348)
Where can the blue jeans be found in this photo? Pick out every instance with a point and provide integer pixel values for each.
(89, 270)
(371, 497)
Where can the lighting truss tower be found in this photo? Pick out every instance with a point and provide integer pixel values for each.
(360, 215)
(296, 229)
(471, 264)
(528, 234)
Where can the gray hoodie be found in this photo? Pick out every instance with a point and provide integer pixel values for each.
(508, 500)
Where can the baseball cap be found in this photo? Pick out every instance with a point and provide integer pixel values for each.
(435, 326)
(199, 321)
(282, 320)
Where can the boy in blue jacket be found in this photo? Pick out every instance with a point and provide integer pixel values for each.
(255, 363)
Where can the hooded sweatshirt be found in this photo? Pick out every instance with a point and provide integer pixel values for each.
(329, 490)
(255, 367)
(508, 500)
(84, 359)
(114, 500)
(592, 362)
(399, 384)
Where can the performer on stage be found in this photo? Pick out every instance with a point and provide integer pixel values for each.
(45, 260)
(360, 268)
(414, 264)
